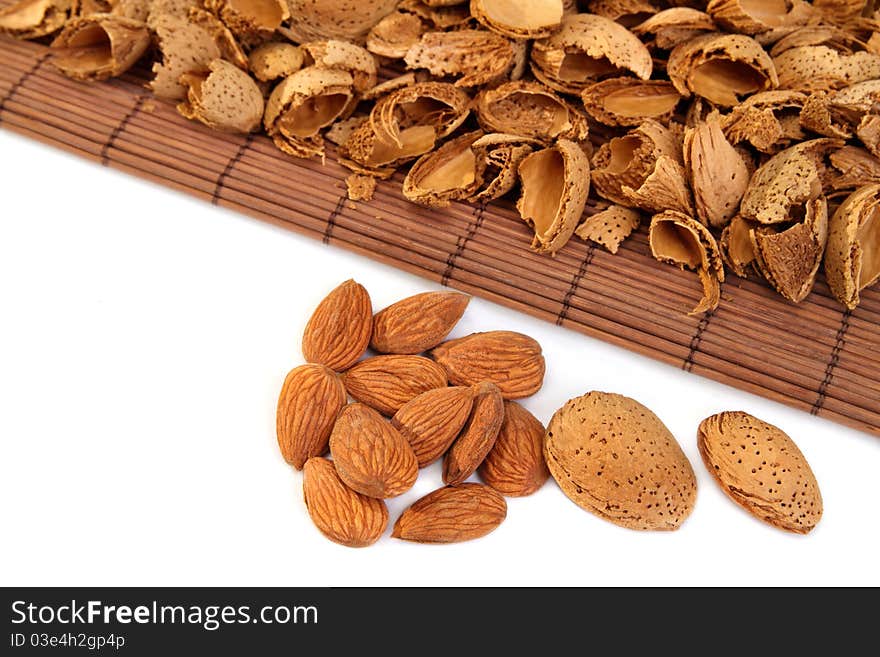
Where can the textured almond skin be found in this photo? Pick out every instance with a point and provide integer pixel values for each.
(342, 515)
(478, 436)
(613, 457)
(515, 467)
(417, 323)
(512, 361)
(760, 468)
(338, 332)
(451, 515)
(386, 383)
(431, 421)
(310, 399)
(370, 455)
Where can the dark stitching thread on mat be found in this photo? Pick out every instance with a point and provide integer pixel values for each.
(221, 179)
(697, 340)
(575, 283)
(839, 344)
(105, 151)
(331, 220)
(18, 83)
(462, 242)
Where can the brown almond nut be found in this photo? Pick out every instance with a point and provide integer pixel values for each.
(478, 436)
(370, 455)
(417, 323)
(510, 360)
(386, 383)
(613, 457)
(338, 332)
(515, 467)
(341, 514)
(310, 400)
(760, 468)
(452, 514)
(431, 421)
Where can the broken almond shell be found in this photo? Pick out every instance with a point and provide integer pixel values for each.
(274, 60)
(226, 99)
(629, 101)
(99, 46)
(32, 19)
(519, 19)
(852, 256)
(531, 110)
(610, 227)
(473, 57)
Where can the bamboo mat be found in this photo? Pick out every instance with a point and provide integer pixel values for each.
(813, 356)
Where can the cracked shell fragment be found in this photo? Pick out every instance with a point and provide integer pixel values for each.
(722, 68)
(185, 48)
(530, 109)
(718, 174)
(588, 48)
(610, 227)
(675, 25)
(555, 184)
(629, 101)
(770, 120)
(437, 105)
(441, 17)
(99, 46)
(274, 60)
(736, 247)
(780, 189)
(519, 19)
(305, 103)
(855, 167)
(344, 56)
(822, 68)
(223, 37)
(349, 20)
(757, 16)
(473, 57)
(852, 257)
(626, 12)
(395, 34)
(251, 21)
(225, 99)
(679, 240)
(790, 258)
(450, 173)
(502, 155)
(32, 19)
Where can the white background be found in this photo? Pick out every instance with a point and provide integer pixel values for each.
(144, 337)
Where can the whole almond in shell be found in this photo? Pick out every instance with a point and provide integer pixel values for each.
(341, 514)
(338, 332)
(613, 457)
(310, 400)
(478, 436)
(760, 468)
(386, 383)
(370, 455)
(512, 361)
(451, 515)
(431, 421)
(417, 323)
(515, 467)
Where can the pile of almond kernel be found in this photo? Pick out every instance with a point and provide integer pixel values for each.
(472, 424)
(748, 131)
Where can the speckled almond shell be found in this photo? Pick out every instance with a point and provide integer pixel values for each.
(610, 227)
(251, 21)
(313, 20)
(767, 120)
(820, 68)
(230, 49)
(674, 26)
(654, 99)
(855, 167)
(186, 48)
(625, 12)
(387, 382)
(344, 56)
(594, 37)
(503, 155)
(433, 420)
(389, 116)
(752, 18)
(473, 57)
(423, 186)
(530, 109)
(274, 60)
(555, 185)
(32, 19)
(786, 181)
(614, 458)
(370, 455)
(688, 59)
(227, 99)
(440, 17)
(128, 40)
(852, 256)
(395, 34)
(760, 468)
(339, 513)
(519, 19)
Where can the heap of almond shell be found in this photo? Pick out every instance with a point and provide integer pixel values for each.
(745, 135)
(409, 411)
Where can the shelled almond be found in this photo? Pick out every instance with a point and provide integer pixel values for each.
(654, 106)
